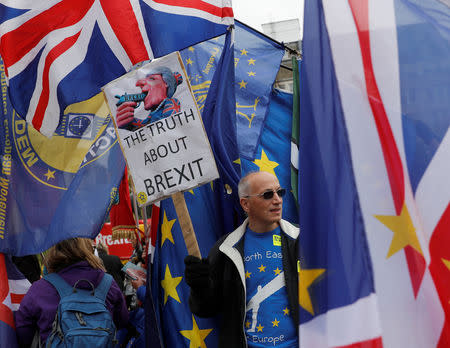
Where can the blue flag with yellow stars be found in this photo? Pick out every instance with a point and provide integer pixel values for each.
(256, 60)
(272, 154)
(211, 209)
(229, 120)
(60, 187)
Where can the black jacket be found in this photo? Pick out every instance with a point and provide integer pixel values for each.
(226, 294)
(29, 266)
(113, 266)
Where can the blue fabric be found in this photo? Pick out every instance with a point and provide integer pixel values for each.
(275, 141)
(219, 119)
(170, 32)
(424, 75)
(257, 61)
(151, 319)
(267, 321)
(8, 336)
(333, 234)
(43, 202)
(209, 205)
(213, 212)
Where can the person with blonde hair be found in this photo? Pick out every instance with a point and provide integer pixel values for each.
(72, 259)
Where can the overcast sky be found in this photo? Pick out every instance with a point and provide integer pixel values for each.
(256, 12)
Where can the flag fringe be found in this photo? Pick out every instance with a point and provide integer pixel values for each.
(121, 231)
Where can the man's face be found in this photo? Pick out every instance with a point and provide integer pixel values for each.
(263, 214)
(156, 90)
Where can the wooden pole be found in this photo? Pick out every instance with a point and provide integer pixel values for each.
(144, 217)
(135, 208)
(186, 224)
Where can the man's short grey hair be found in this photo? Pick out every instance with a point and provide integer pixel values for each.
(244, 184)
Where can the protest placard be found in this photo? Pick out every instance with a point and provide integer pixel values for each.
(160, 129)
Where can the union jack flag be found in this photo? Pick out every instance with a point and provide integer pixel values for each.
(375, 194)
(172, 106)
(13, 287)
(59, 52)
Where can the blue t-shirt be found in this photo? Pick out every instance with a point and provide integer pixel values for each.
(268, 320)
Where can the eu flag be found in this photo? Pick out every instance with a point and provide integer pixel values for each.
(211, 209)
(275, 143)
(257, 60)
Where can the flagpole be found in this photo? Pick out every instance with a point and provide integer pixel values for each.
(185, 222)
(135, 207)
(144, 217)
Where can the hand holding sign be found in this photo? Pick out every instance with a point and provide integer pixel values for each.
(125, 114)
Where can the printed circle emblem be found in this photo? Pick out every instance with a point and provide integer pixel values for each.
(78, 125)
(142, 197)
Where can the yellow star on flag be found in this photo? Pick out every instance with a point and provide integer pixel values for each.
(446, 263)
(404, 231)
(191, 49)
(260, 328)
(247, 324)
(265, 165)
(228, 189)
(189, 61)
(50, 174)
(251, 73)
(169, 285)
(251, 61)
(242, 84)
(247, 274)
(262, 268)
(277, 271)
(244, 52)
(305, 278)
(238, 161)
(191, 191)
(196, 336)
(166, 229)
(275, 322)
(286, 311)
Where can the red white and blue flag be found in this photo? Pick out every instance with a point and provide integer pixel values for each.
(59, 52)
(13, 287)
(373, 174)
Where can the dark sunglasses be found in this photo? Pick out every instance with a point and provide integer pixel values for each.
(269, 194)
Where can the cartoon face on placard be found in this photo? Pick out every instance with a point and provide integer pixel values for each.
(160, 129)
(157, 87)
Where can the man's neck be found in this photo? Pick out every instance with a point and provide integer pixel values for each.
(261, 227)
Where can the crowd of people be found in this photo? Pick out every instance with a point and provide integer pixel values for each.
(82, 264)
(232, 282)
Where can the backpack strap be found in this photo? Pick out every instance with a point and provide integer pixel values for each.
(59, 283)
(103, 288)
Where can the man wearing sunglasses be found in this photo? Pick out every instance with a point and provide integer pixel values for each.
(250, 277)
